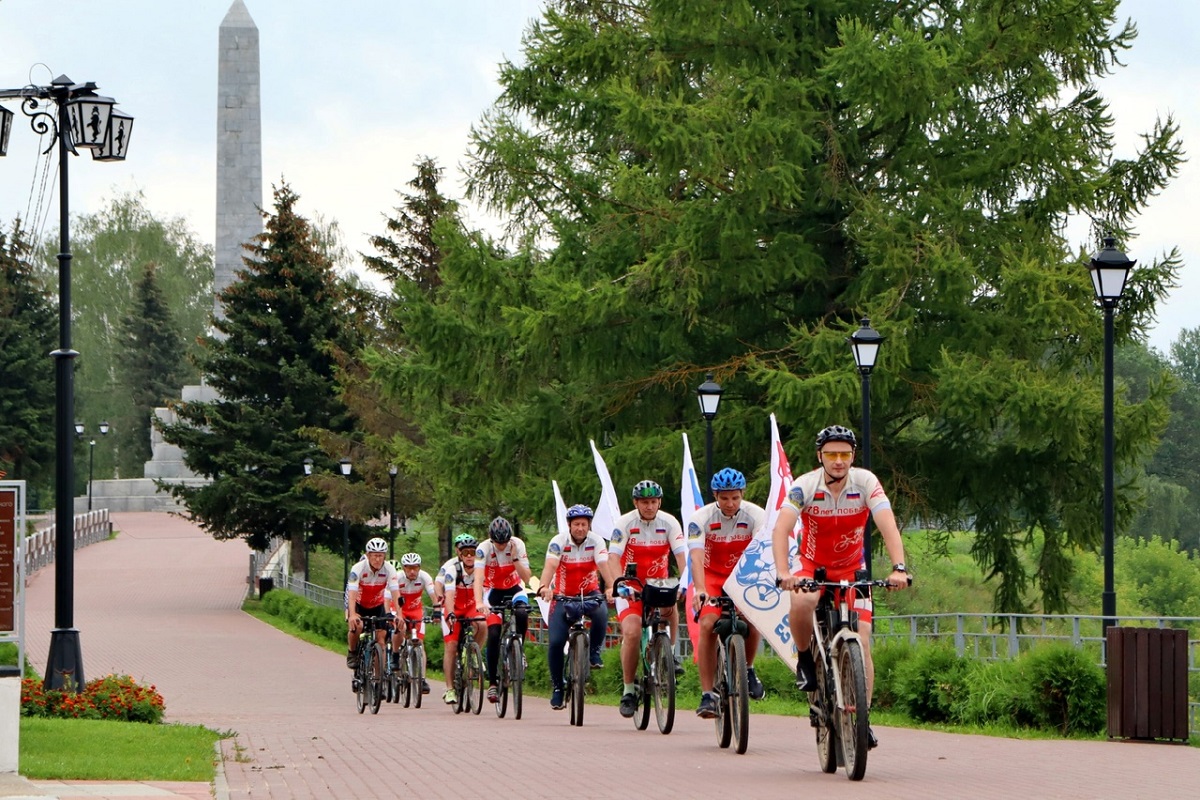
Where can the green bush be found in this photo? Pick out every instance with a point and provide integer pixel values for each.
(887, 659)
(994, 691)
(928, 684)
(1067, 691)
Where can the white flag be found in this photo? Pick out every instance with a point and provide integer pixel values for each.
(690, 501)
(608, 510)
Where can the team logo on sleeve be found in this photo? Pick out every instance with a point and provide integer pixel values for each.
(693, 530)
(353, 575)
(795, 496)
(479, 552)
(555, 549)
(617, 537)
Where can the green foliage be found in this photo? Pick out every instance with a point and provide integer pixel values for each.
(995, 692)
(888, 658)
(103, 750)
(928, 684)
(1157, 578)
(327, 622)
(1068, 690)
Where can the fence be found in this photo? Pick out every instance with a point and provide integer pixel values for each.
(91, 527)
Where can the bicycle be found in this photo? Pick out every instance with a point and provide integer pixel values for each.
(658, 656)
(838, 707)
(579, 645)
(469, 671)
(372, 665)
(729, 682)
(511, 671)
(410, 677)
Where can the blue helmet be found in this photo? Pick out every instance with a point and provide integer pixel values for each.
(728, 478)
(579, 511)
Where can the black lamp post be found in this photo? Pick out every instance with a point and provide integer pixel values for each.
(392, 470)
(865, 342)
(709, 395)
(345, 465)
(79, 430)
(1110, 270)
(308, 468)
(79, 119)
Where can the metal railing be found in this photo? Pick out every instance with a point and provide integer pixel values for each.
(89, 528)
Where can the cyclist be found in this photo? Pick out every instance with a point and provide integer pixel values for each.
(833, 502)
(454, 590)
(574, 561)
(413, 584)
(501, 564)
(646, 537)
(717, 535)
(370, 579)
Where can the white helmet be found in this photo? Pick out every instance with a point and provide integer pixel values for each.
(410, 560)
(376, 545)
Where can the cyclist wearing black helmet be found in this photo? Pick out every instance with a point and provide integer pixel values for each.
(501, 564)
(717, 535)
(833, 502)
(454, 591)
(646, 537)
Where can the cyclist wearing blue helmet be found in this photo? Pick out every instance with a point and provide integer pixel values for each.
(717, 534)
(574, 562)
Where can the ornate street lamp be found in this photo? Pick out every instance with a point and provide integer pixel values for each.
(79, 118)
(864, 343)
(345, 465)
(1110, 270)
(392, 470)
(709, 395)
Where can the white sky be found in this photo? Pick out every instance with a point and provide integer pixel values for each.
(355, 91)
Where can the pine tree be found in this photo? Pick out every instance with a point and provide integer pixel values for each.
(271, 363)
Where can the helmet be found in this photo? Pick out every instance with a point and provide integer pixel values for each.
(579, 511)
(500, 531)
(376, 545)
(836, 433)
(644, 489)
(410, 560)
(728, 478)
(464, 540)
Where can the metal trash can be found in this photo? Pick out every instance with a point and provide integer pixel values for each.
(265, 585)
(1147, 684)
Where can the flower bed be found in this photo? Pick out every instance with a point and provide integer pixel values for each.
(116, 697)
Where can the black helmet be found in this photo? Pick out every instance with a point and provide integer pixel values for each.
(646, 489)
(500, 531)
(836, 433)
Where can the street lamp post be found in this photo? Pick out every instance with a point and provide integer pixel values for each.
(80, 119)
(1110, 270)
(308, 469)
(345, 465)
(709, 395)
(392, 470)
(864, 343)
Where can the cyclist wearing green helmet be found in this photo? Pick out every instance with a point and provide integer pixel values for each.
(454, 589)
(646, 537)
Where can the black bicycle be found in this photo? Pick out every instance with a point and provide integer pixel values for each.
(372, 664)
(579, 645)
(469, 671)
(410, 677)
(511, 669)
(730, 683)
(658, 656)
(839, 709)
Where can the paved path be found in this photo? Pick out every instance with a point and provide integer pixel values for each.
(299, 736)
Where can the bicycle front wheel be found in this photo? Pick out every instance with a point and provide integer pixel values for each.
(416, 674)
(662, 678)
(820, 705)
(723, 723)
(579, 675)
(403, 679)
(360, 678)
(516, 674)
(502, 684)
(475, 678)
(375, 679)
(853, 716)
(739, 693)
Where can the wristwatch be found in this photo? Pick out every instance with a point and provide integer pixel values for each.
(899, 567)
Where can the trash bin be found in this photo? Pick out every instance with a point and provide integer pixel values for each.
(10, 716)
(265, 585)
(1147, 684)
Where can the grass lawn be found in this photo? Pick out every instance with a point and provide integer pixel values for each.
(99, 750)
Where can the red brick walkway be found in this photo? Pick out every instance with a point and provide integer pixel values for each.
(161, 601)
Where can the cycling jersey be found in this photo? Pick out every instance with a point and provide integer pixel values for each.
(461, 581)
(722, 539)
(577, 563)
(499, 564)
(411, 601)
(370, 584)
(647, 543)
(833, 522)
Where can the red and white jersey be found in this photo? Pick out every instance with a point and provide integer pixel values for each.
(370, 584)
(834, 522)
(647, 543)
(576, 573)
(412, 602)
(499, 564)
(454, 576)
(723, 538)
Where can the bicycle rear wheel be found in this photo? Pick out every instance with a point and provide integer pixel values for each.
(416, 673)
(475, 678)
(853, 714)
(375, 678)
(405, 682)
(579, 675)
(502, 684)
(360, 678)
(820, 704)
(723, 723)
(460, 682)
(662, 678)
(739, 693)
(516, 675)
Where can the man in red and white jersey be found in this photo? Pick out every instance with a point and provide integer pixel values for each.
(833, 502)
(501, 564)
(413, 585)
(646, 537)
(717, 535)
(574, 562)
(454, 591)
(372, 581)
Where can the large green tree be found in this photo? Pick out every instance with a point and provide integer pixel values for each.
(731, 185)
(271, 362)
(28, 333)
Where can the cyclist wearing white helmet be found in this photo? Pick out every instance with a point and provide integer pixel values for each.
(414, 584)
(717, 535)
(834, 502)
(372, 581)
(454, 591)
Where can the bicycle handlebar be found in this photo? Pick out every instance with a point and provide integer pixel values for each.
(812, 584)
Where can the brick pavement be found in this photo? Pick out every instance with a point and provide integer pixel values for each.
(161, 602)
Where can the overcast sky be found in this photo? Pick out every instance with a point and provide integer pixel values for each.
(355, 91)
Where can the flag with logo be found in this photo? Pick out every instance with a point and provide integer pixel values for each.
(690, 501)
(608, 510)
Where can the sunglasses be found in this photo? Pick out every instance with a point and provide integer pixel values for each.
(838, 456)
